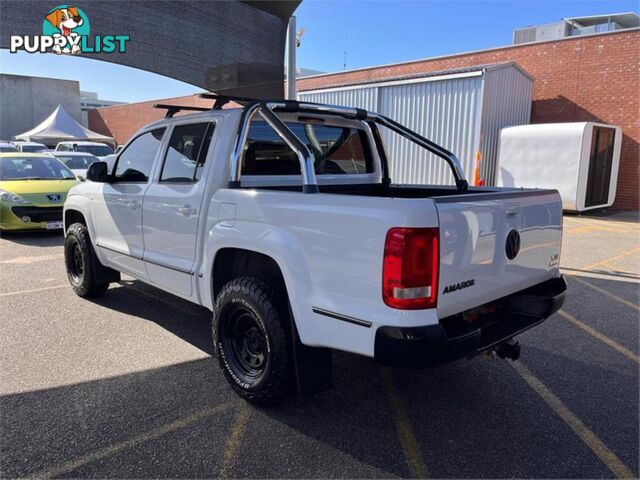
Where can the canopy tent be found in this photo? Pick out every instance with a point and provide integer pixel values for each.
(61, 127)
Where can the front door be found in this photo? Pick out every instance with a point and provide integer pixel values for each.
(600, 165)
(118, 205)
(172, 208)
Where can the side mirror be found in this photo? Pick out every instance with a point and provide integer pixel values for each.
(98, 172)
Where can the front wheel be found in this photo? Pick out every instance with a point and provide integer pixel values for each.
(249, 336)
(80, 262)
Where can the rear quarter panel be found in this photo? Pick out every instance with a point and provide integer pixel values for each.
(330, 250)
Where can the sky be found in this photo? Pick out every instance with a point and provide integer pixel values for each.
(373, 32)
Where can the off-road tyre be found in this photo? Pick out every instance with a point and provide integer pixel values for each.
(81, 262)
(250, 324)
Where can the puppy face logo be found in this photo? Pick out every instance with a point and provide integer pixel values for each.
(67, 24)
(65, 19)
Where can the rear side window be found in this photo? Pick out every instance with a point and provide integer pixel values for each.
(135, 163)
(337, 150)
(187, 153)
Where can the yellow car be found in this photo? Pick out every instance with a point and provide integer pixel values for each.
(33, 188)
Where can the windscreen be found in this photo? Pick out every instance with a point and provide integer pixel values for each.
(36, 168)
(97, 150)
(77, 162)
(32, 148)
(337, 150)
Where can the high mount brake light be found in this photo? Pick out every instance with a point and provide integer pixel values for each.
(410, 268)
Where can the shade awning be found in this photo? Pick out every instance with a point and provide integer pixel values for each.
(233, 47)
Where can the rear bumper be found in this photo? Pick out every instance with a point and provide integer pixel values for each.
(456, 337)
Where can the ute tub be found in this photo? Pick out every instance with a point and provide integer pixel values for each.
(456, 337)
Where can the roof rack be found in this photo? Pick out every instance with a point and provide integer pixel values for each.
(173, 109)
(221, 100)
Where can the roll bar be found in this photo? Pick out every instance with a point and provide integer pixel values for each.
(267, 108)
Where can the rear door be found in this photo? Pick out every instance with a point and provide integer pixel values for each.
(495, 244)
(172, 207)
(117, 207)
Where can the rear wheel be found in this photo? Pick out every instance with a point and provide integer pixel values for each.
(81, 262)
(249, 335)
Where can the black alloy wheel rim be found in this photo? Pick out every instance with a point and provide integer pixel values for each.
(75, 263)
(245, 341)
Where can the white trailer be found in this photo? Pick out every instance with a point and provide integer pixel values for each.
(580, 160)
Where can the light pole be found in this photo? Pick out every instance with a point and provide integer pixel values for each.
(292, 42)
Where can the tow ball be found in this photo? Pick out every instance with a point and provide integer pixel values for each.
(508, 349)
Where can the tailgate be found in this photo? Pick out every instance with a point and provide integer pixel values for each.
(478, 234)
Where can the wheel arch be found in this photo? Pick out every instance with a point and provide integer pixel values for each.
(71, 216)
(233, 262)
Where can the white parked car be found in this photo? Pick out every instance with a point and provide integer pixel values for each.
(29, 147)
(281, 218)
(94, 148)
(77, 162)
(7, 147)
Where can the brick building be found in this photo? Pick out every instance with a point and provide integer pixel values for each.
(584, 78)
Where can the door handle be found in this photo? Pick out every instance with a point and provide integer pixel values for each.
(187, 211)
(134, 205)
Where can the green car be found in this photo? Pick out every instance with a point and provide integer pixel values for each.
(33, 188)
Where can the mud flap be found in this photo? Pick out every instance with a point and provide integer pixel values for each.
(313, 366)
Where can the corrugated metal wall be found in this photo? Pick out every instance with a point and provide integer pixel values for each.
(461, 113)
(507, 102)
(439, 111)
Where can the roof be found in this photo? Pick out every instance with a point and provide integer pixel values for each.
(72, 154)
(23, 155)
(480, 69)
(82, 142)
(626, 19)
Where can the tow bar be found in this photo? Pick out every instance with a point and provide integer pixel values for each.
(508, 349)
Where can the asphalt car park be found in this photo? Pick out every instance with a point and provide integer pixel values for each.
(125, 386)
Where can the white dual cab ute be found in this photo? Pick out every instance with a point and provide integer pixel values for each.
(280, 217)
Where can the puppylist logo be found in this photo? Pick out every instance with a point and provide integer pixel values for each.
(66, 29)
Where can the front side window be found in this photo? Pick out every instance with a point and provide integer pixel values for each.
(337, 150)
(135, 163)
(187, 153)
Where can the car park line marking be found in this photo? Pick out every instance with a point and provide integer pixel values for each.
(31, 259)
(612, 259)
(131, 442)
(603, 338)
(233, 442)
(33, 290)
(609, 294)
(604, 273)
(597, 446)
(408, 441)
(597, 228)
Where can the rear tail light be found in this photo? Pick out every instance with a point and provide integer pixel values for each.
(410, 268)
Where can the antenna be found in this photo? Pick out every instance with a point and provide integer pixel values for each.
(346, 40)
